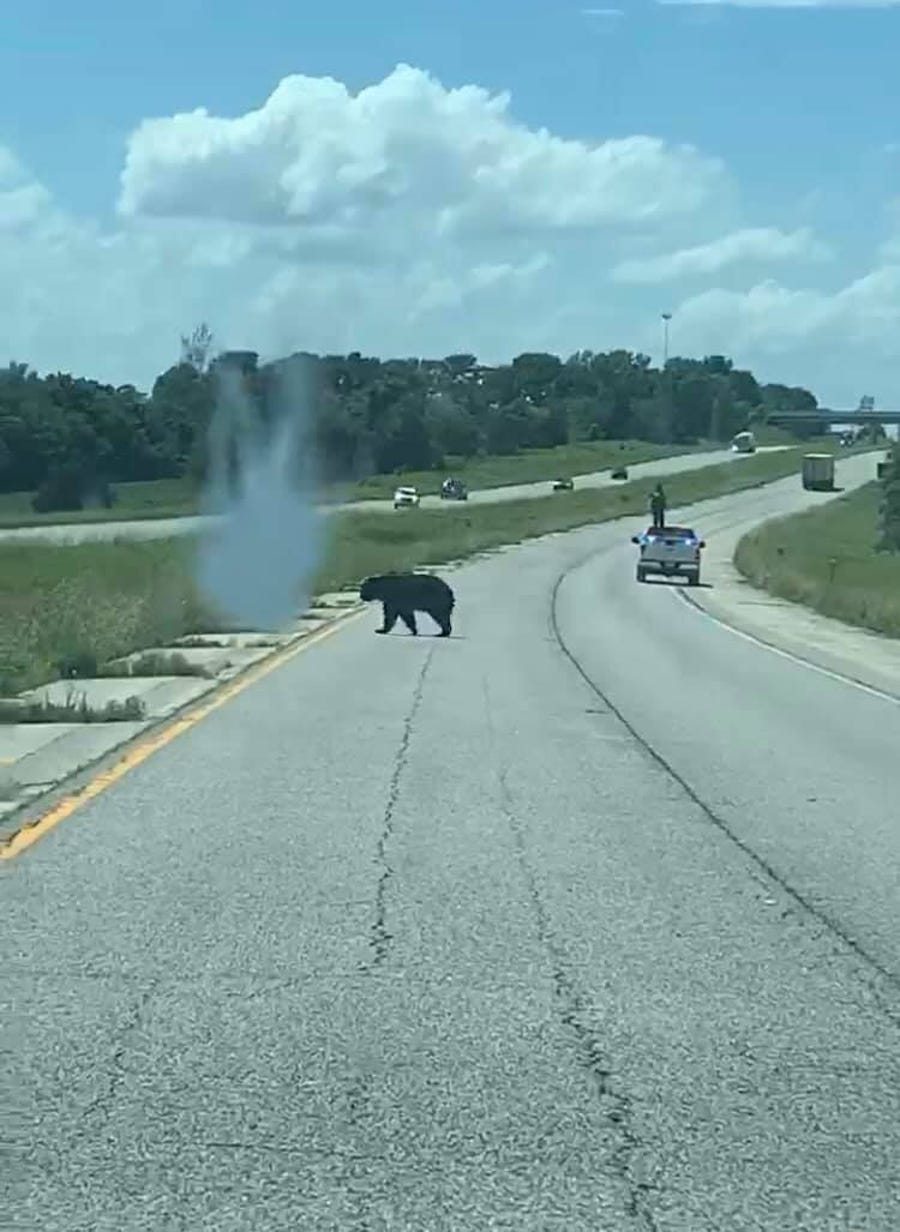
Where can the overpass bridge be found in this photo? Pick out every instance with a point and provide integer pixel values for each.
(824, 414)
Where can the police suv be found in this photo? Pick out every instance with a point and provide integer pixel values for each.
(671, 551)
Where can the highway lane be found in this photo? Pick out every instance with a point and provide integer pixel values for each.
(828, 824)
(420, 934)
(594, 479)
(163, 528)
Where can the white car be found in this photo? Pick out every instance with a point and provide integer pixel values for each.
(672, 551)
(406, 498)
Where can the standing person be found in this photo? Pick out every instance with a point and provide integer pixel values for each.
(658, 506)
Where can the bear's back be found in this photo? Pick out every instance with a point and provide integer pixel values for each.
(416, 589)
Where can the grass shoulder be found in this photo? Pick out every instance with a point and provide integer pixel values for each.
(826, 559)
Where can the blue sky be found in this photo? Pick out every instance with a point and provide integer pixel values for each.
(801, 105)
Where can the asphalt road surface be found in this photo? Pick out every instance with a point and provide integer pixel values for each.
(583, 920)
(162, 528)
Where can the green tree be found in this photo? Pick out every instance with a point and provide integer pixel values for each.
(889, 511)
(178, 421)
(357, 415)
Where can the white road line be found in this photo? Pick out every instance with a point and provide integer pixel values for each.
(692, 603)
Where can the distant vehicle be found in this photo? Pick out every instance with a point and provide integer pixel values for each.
(563, 485)
(817, 472)
(406, 498)
(744, 442)
(454, 489)
(670, 551)
(620, 472)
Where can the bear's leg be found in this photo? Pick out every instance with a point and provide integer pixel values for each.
(409, 619)
(390, 618)
(441, 617)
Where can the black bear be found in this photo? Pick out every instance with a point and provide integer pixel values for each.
(404, 594)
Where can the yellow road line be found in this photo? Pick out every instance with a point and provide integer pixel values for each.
(30, 832)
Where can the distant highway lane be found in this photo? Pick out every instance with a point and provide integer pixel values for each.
(163, 528)
(584, 919)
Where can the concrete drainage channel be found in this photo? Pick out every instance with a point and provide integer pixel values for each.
(88, 719)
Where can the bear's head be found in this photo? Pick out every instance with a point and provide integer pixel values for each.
(370, 589)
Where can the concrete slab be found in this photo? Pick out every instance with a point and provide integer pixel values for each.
(98, 693)
(82, 744)
(169, 693)
(225, 641)
(240, 660)
(208, 660)
(18, 740)
(336, 599)
(159, 695)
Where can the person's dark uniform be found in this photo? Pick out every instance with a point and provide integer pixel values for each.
(658, 506)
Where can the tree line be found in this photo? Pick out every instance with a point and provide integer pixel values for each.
(889, 506)
(70, 438)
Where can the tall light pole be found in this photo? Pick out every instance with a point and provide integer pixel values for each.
(666, 318)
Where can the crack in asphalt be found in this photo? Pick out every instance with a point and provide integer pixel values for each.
(359, 1088)
(381, 939)
(102, 1103)
(869, 968)
(573, 1007)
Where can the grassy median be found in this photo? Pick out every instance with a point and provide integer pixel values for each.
(530, 466)
(174, 498)
(156, 498)
(94, 602)
(825, 559)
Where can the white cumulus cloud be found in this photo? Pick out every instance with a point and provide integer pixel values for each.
(772, 317)
(406, 217)
(841, 343)
(410, 218)
(22, 200)
(758, 244)
(451, 160)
